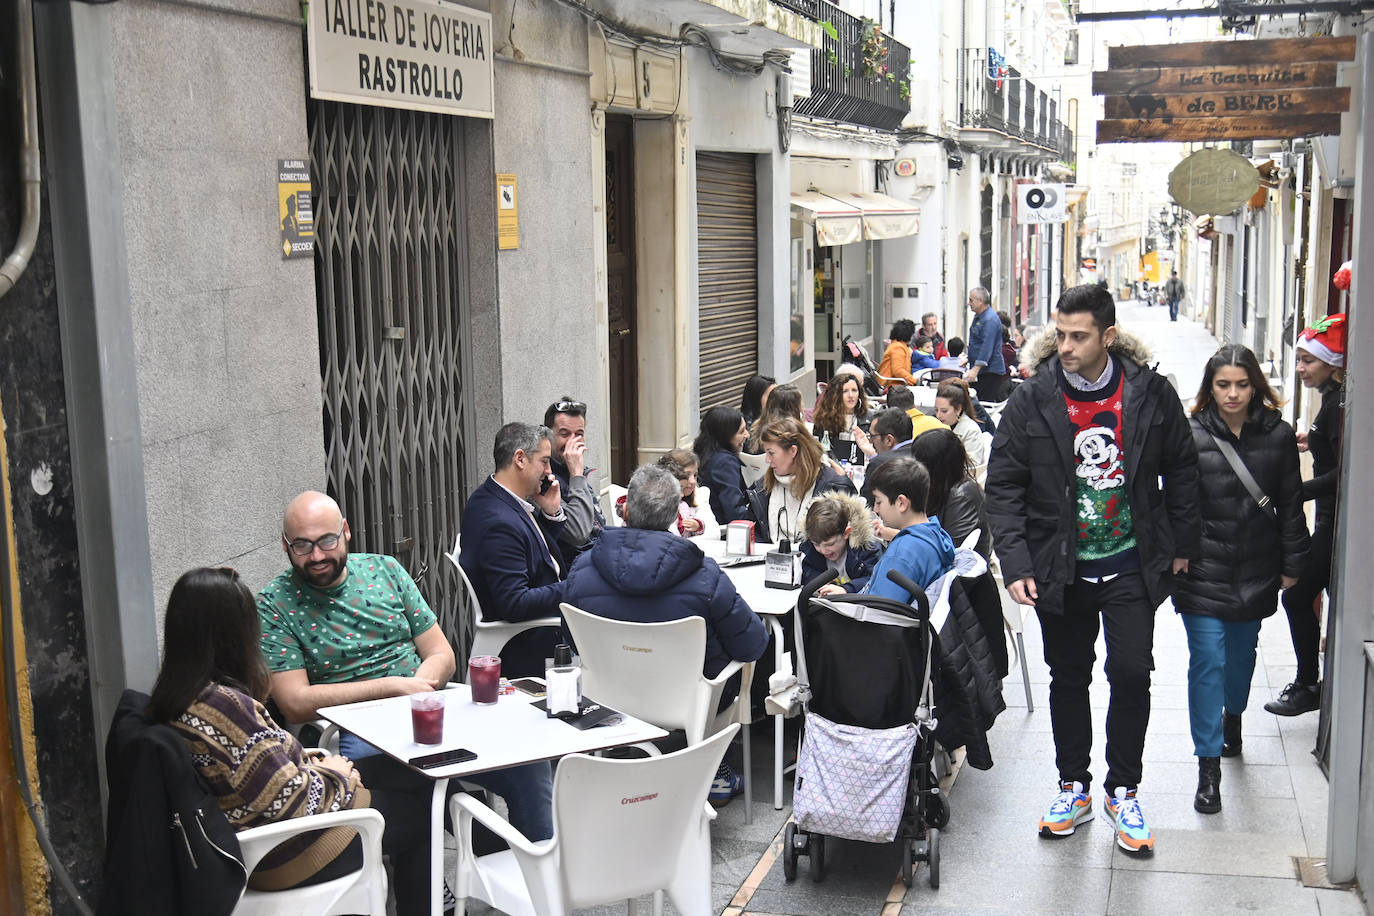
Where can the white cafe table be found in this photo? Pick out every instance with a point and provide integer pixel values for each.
(509, 733)
(772, 604)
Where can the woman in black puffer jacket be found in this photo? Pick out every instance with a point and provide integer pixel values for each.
(1248, 552)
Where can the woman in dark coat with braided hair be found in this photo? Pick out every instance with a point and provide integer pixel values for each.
(1248, 551)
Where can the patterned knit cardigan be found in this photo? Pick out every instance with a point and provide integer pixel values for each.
(258, 772)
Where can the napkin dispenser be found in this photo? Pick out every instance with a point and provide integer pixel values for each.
(739, 539)
(783, 567)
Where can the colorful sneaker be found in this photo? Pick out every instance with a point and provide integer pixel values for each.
(1071, 807)
(726, 786)
(1132, 833)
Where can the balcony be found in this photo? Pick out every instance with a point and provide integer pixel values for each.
(999, 109)
(848, 84)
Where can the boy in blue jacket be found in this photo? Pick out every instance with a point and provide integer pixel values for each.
(923, 354)
(920, 549)
(839, 536)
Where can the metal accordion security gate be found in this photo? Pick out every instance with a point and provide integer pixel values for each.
(391, 288)
(727, 276)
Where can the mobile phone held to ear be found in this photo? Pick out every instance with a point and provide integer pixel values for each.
(546, 484)
(443, 758)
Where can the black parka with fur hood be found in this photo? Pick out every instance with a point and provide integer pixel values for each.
(1031, 476)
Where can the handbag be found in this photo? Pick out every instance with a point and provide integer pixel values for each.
(1228, 452)
(852, 781)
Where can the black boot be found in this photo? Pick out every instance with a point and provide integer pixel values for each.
(1230, 735)
(1208, 797)
(1296, 699)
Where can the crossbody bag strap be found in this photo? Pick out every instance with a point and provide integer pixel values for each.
(1228, 452)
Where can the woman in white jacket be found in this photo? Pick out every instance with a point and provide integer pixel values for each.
(954, 408)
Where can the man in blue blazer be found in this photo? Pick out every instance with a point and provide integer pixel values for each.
(509, 539)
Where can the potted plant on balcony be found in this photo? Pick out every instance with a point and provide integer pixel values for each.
(873, 50)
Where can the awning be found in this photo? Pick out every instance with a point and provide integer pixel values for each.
(837, 223)
(842, 217)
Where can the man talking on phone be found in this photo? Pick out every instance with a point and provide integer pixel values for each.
(566, 419)
(509, 544)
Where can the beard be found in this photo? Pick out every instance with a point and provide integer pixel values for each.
(325, 574)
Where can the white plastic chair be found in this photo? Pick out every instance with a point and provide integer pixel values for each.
(1014, 616)
(652, 671)
(489, 637)
(622, 829)
(980, 472)
(363, 891)
(609, 497)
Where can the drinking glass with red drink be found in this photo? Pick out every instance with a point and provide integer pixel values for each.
(484, 678)
(427, 717)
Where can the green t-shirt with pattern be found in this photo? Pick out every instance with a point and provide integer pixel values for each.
(362, 629)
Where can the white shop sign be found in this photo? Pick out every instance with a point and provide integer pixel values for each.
(420, 54)
(1041, 203)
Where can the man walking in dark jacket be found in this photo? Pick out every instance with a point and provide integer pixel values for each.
(642, 573)
(1085, 533)
(1173, 293)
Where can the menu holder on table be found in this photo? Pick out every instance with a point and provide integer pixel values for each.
(590, 714)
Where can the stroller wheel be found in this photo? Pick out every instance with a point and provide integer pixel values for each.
(789, 852)
(908, 857)
(937, 810)
(933, 858)
(817, 858)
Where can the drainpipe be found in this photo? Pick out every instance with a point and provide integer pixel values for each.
(30, 176)
(10, 272)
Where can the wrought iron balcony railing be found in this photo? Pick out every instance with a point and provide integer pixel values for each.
(997, 97)
(850, 80)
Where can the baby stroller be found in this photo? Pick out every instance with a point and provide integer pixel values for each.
(851, 351)
(865, 769)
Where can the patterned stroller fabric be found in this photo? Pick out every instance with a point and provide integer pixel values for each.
(852, 781)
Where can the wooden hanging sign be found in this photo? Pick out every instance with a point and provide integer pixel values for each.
(1269, 88)
(1229, 104)
(1270, 52)
(1213, 78)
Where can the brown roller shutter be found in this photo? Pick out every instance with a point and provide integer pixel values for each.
(727, 275)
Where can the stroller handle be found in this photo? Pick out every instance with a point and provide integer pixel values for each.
(896, 576)
(810, 588)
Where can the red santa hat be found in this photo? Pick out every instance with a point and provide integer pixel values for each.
(1325, 339)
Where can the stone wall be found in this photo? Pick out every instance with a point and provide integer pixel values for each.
(225, 329)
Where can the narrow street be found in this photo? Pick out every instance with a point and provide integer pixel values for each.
(1244, 859)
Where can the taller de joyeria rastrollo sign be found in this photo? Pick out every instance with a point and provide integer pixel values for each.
(420, 54)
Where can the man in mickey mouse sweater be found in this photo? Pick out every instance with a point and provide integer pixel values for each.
(1092, 500)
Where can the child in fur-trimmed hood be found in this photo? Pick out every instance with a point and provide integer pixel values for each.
(839, 536)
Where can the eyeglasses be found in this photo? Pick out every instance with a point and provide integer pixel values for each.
(569, 407)
(303, 547)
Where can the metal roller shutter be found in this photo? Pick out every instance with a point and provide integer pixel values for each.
(727, 275)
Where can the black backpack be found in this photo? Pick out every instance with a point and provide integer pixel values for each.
(168, 846)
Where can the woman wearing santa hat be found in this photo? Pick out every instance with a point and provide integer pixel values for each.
(1321, 365)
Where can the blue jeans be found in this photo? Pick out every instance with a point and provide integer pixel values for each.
(1221, 661)
(1173, 310)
